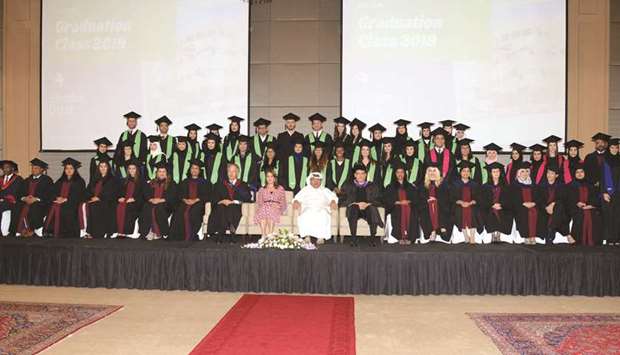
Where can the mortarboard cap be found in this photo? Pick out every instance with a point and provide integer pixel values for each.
(193, 127)
(243, 138)
(214, 127)
(103, 140)
(439, 132)
(552, 139)
(162, 164)
(70, 161)
(182, 139)
(365, 143)
(495, 165)
(465, 164)
(524, 165)
(317, 117)
(573, 143)
(341, 120)
(537, 148)
(291, 116)
(361, 125)
(163, 119)
(357, 167)
(212, 137)
(614, 141)
(601, 136)
(425, 125)
(461, 127)
(447, 123)
(40, 163)
(377, 127)
(196, 162)
(235, 119)
(402, 122)
(261, 122)
(492, 146)
(465, 141)
(154, 139)
(132, 115)
(518, 147)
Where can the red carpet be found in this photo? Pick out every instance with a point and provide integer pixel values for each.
(271, 324)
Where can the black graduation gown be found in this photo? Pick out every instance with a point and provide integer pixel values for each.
(610, 184)
(477, 172)
(127, 213)
(223, 217)
(168, 145)
(284, 143)
(435, 216)
(139, 151)
(558, 221)
(300, 179)
(193, 146)
(179, 165)
(573, 162)
(187, 220)
(94, 165)
(433, 157)
(352, 148)
(155, 217)
(399, 143)
(587, 224)
(511, 170)
(31, 216)
(593, 165)
(403, 217)
(324, 137)
(259, 146)
(229, 146)
(100, 214)
(536, 166)
(371, 213)
(470, 217)
(387, 172)
(528, 220)
(10, 194)
(62, 220)
(214, 167)
(414, 169)
(496, 220)
(262, 171)
(374, 172)
(338, 175)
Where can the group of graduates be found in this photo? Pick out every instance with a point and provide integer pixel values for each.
(430, 185)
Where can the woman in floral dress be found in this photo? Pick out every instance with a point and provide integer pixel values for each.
(270, 204)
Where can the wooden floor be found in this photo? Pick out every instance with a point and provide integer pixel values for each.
(172, 322)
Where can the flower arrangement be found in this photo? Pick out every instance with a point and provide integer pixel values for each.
(282, 239)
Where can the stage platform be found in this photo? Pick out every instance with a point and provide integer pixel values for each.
(496, 269)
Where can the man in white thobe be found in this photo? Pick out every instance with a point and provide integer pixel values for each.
(315, 203)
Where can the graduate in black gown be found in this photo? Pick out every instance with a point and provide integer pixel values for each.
(247, 163)
(459, 135)
(553, 205)
(610, 185)
(160, 199)
(573, 159)
(180, 160)
(261, 138)
(593, 162)
(400, 199)
(402, 136)
(193, 146)
(153, 157)
(464, 197)
(434, 206)
(129, 201)
(425, 143)
(270, 162)
(495, 204)
(376, 140)
(372, 166)
(478, 173)
(338, 171)
(536, 161)
(553, 158)
(101, 154)
(67, 194)
(584, 204)
(231, 142)
(34, 203)
(10, 190)
(413, 166)
(123, 159)
(214, 162)
(318, 134)
(516, 158)
(340, 130)
(441, 155)
(295, 168)
(133, 135)
(387, 159)
(192, 195)
(447, 126)
(285, 140)
(226, 206)
(362, 199)
(352, 142)
(525, 199)
(101, 194)
(167, 141)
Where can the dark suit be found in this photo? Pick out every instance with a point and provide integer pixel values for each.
(369, 193)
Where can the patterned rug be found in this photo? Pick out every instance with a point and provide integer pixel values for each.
(551, 333)
(28, 328)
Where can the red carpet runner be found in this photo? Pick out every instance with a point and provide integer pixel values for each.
(271, 324)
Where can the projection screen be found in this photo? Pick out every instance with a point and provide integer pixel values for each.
(498, 66)
(187, 59)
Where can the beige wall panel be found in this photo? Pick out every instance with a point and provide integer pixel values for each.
(260, 42)
(329, 84)
(259, 84)
(260, 12)
(294, 85)
(304, 112)
(294, 42)
(614, 43)
(329, 41)
(614, 87)
(330, 9)
(295, 9)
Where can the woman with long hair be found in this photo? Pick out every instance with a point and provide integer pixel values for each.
(434, 206)
(402, 136)
(67, 194)
(214, 162)
(123, 159)
(413, 165)
(388, 158)
(270, 204)
(318, 159)
(192, 195)
(193, 146)
(536, 160)
(352, 142)
(495, 204)
(269, 163)
(340, 129)
(103, 144)
(180, 160)
(160, 199)
(553, 158)
(478, 173)
(100, 200)
(464, 197)
(373, 169)
(129, 201)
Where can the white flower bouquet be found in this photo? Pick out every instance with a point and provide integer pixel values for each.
(282, 239)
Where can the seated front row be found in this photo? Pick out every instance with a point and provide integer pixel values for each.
(432, 211)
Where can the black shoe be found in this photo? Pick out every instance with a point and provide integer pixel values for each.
(372, 243)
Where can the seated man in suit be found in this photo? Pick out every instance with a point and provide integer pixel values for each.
(10, 194)
(361, 197)
(228, 196)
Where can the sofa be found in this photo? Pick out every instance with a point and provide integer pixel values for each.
(340, 225)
